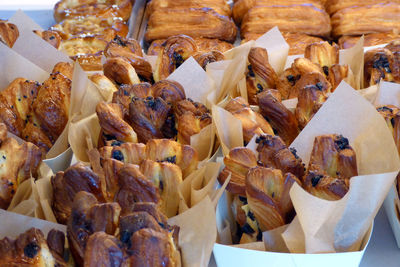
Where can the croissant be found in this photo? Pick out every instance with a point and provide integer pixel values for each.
(260, 75)
(120, 71)
(380, 63)
(267, 192)
(109, 9)
(252, 122)
(324, 54)
(50, 36)
(392, 117)
(220, 6)
(8, 33)
(273, 153)
(205, 58)
(282, 120)
(237, 164)
(176, 49)
(18, 161)
(32, 249)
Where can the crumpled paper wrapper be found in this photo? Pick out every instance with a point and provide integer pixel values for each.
(336, 226)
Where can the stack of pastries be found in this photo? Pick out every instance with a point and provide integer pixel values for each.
(209, 22)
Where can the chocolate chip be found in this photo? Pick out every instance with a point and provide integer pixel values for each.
(260, 88)
(247, 229)
(117, 154)
(31, 250)
(178, 59)
(4, 157)
(384, 108)
(161, 186)
(251, 72)
(291, 79)
(342, 142)
(294, 152)
(126, 92)
(125, 238)
(326, 70)
(320, 86)
(392, 121)
(116, 143)
(171, 159)
(52, 37)
(251, 216)
(315, 180)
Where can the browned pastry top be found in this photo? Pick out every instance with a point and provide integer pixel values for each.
(8, 33)
(301, 18)
(106, 28)
(50, 36)
(333, 6)
(100, 8)
(195, 22)
(369, 39)
(381, 63)
(220, 6)
(357, 20)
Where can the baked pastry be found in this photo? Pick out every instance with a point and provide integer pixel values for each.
(380, 63)
(241, 7)
(105, 28)
(86, 50)
(323, 54)
(248, 228)
(260, 75)
(195, 22)
(374, 18)
(394, 47)
(203, 45)
(32, 249)
(338, 73)
(50, 36)
(282, 120)
(391, 115)
(205, 58)
(18, 163)
(333, 6)
(8, 33)
(369, 39)
(220, 6)
(100, 8)
(120, 71)
(237, 164)
(252, 122)
(301, 18)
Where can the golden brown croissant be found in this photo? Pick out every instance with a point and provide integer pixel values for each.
(111, 119)
(220, 6)
(267, 192)
(323, 54)
(108, 9)
(380, 63)
(18, 163)
(391, 115)
(237, 164)
(252, 122)
(282, 120)
(369, 39)
(130, 50)
(195, 22)
(91, 25)
(32, 249)
(301, 18)
(8, 33)
(260, 75)
(374, 18)
(176, 49)
(205, 58)
(50, 36)
(273, 153)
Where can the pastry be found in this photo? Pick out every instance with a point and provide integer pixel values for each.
(369, 39)
(120, 71)
(358, 20)
(8, 33)
(380, 63)
(260, 75)
(195, 22)
(300, 18)
(323, 54)
(205, 58)
(220, 6)
(391, 115)
(338, 73)
(106, 9)
(50, 36)
(333, 6)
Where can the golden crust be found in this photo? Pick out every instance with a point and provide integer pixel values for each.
(324, 186)
(8, 33)
(301, 18)
(120, 71)
(100, 8)
(195, 22)
(133, 153)
(333, 6)
(65, 68)
(380, 63)
(323, 53)
(337, 73)
(220, 6)
(50, 36)
(205, 58)
(369, 39)
(358, 20)
(392, 117)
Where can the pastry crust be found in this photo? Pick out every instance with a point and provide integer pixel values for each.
(380, 63)
(333, 6)
(220, 6)
(8, 33)
(358, 20)
(195, 22)
(323, 53)
(369, 39)
(300, 18)
(209, 57)
(50, 36)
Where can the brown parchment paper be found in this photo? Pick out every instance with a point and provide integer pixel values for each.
(388, 94)
(354, 57)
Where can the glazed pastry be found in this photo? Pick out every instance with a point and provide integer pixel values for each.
(106, 9)
(252, 122)
(273, 153)
(391, 115)
(133, 153)
(65, 68)
(18, 162)
(176, 49)
(103, 83)
(267, 192)
(124, 94)
(32, 249)
(241, 7)
(50, 36)
(203, 45)
(260, 75)
(120, 71)
(237, 164)
(282, 120)
(338, 73)
(8, 33)
(394, 47)
(358, 20)
(324, 186)
(380, 63)
(205, 58)
(86, 50)
(300, 18)
(220, 6)
(369, 39)
(195, 22)
(91, 25)
(323, 54)
(333, 6)
(130, 50)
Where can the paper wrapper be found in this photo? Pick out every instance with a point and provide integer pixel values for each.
(337, 226)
